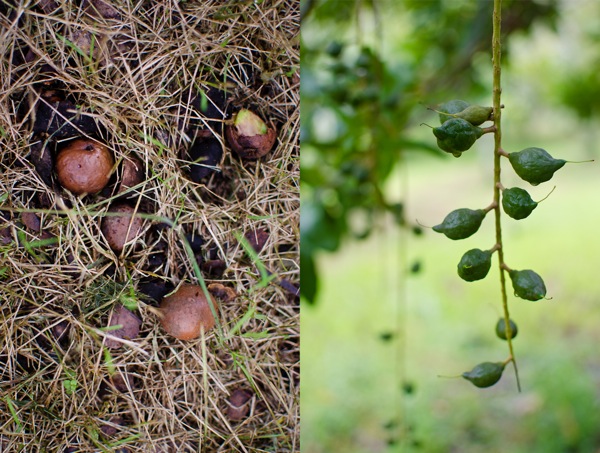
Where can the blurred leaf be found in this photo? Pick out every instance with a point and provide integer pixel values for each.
(581, 92)
(318, 229)
(386, 336)
(308, 284)
(70, 386)
(408, 387)
(416, 267)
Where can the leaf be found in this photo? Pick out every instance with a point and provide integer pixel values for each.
(309, 279)
(70, 386)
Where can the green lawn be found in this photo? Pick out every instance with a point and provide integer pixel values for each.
(351, 380)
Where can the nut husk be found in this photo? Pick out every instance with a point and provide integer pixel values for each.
(249, 136)
(205, 154)
(238, 406)
(132, 173)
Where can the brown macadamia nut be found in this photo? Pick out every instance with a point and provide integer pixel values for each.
(187, 312)
(117, 230)
(84, 166)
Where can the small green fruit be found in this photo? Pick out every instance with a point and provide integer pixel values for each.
(456, 135)
(535, 165)
(501, 329)
(485, 374)
(452, 107)
(475, 265)
(528, 285)
(475, 114)
(461, 223)
(517, 203)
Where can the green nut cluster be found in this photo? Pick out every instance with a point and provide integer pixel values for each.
(458, 132)
(485, 374)
(459, 121)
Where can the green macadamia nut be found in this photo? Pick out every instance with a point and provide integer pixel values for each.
(456, 135)
(502, 332)
(528, 284)
(475, 114)
(451, 107)
(517, 203)
(461, 223)
(535, 165)
(485, 374)
(475, 265)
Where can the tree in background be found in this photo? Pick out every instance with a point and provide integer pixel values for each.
(362, 90)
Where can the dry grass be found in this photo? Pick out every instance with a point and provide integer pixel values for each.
(135, 81)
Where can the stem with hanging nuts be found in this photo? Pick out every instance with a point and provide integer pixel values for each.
(498, 152)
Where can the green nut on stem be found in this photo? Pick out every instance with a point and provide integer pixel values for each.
(447, 110)
(474, 265)
(502, 331)
(527, 284)
(535, 165)
(461, 223)
(485, 374)
(517, 203)
(474, 114)
(456, 135)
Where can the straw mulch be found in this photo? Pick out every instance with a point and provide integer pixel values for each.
(149, 79)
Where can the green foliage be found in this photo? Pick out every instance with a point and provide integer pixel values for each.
(352, 113)
(581, 92)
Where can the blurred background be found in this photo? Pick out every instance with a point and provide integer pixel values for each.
(387, 325)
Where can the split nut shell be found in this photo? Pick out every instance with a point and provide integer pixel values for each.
(249, 136)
